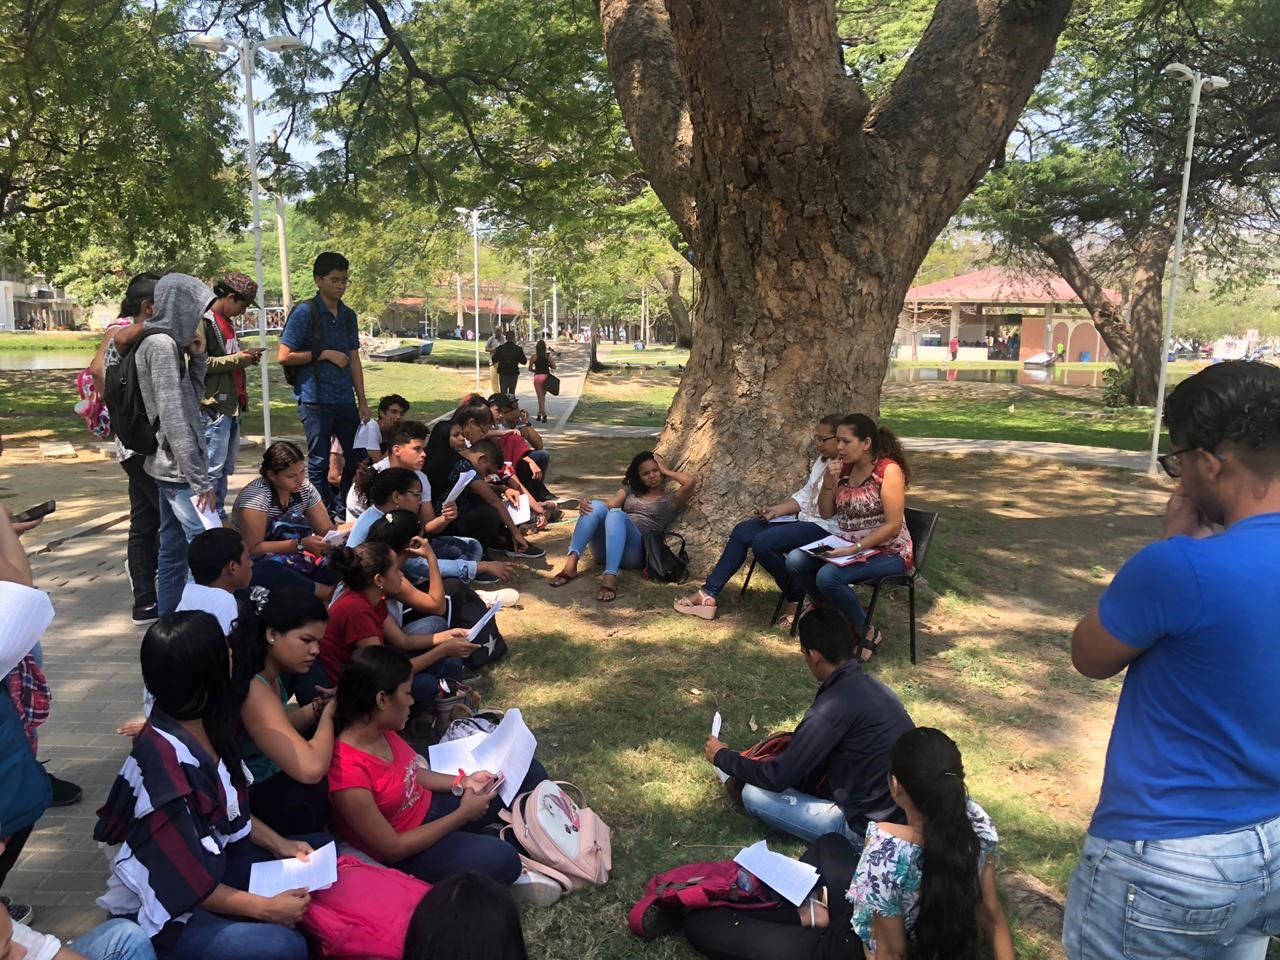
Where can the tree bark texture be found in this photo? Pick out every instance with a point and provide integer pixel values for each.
(676, 308)
(808, 207)
(1132, 331)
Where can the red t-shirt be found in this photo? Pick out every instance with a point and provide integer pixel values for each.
(352, 618)
(395, 787)
(513, 447)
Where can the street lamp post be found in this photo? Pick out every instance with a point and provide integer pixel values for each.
(1198, 84)
(248, 52)
(531, 317)
(555, 311)
(475, 261)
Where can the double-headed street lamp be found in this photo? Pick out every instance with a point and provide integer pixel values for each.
(248, 51)
(475, 262)
(1199, 84)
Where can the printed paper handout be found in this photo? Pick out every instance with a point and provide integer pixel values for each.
(27, 615)
(509, 748)
(789, 518)
(317, 872)
(480, 624)
(208, 517)
(520, 512)
(835, 543)
(456, 492)
(788, 878)
(716, 723)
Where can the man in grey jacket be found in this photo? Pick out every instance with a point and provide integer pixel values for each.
(171, 366)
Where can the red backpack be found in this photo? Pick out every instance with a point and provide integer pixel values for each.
(366, 913)
(695, 886)
(774, 745)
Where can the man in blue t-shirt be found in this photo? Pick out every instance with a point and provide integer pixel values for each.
(1182, 858)
(330, 384)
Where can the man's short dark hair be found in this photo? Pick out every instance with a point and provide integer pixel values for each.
(1236, 402)
(493, 452)
(503, 401)
(406, 432)
(828, 631)
(211, 551)
(392, 400)
(328, 262)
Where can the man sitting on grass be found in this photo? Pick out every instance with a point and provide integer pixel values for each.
(842, 745)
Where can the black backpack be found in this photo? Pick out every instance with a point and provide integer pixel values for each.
(661, 562)
(122, 394)
(466, 610)
(292, 372)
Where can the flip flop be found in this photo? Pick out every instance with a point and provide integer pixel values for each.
(560, 580)
(698, 608)
(611, 591)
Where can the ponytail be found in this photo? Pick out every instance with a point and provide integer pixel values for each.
(359, 565)
(927, 765)
(286, 609)
(364, 476)
(884, 442)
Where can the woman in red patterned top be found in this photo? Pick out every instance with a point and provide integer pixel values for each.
(868, 505)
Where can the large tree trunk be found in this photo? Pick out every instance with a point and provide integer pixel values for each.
(808, 208)
(1134, 341)
(676, 307)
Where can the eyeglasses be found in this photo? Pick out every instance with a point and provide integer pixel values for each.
(822, 439)
(1171, 463)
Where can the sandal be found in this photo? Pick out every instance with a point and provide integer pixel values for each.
(870, 644)
(697, 606)
(607, 594)
(559, 580)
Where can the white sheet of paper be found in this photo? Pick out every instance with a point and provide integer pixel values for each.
(456, 492)
(208, 517)
(453, 755)
(836, 543)
(480, 624)
(789, 518)
(319, 872)
(509, 748)
(27, 615)
(716, 723)
(788, 878)
(336, 536)
(520, 513)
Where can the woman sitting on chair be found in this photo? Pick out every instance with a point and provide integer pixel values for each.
(869, 505)
(615, 528)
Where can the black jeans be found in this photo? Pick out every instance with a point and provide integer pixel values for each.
(775, 934)
(289, 807)
(537, 489)
(12, 850)
(144, 532)
(507, 382)
(483, 523)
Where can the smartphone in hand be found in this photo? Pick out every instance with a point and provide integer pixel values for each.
(498, 780)
(36, 512)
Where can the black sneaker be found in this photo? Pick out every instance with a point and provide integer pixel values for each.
(531, 552)
(145, 616)
(18, 912)
(65, 793)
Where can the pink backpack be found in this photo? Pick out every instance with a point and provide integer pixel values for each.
(695, 886)
(366, 913)
(561, 839)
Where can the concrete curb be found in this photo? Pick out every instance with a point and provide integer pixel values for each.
(96, 525)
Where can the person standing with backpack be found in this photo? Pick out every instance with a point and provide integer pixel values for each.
(144, 496)
(225, 396)
(320, 351)
(169, 361)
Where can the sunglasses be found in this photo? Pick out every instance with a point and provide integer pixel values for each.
(1171, 463)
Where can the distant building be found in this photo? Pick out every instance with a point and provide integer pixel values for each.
(27, 302)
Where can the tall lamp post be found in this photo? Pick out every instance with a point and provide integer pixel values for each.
(248, 52)
(475, 261)
(1199, 84)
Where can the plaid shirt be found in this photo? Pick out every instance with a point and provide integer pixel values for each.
(29, 692)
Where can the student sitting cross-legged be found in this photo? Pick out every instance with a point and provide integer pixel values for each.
(178, 823)
(845, 735)
(388, 802)
(769, 537)
(286, 750)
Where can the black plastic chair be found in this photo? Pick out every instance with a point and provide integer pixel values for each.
(782, 595)
(920, 524)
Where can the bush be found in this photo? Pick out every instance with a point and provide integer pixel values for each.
(1117, 388)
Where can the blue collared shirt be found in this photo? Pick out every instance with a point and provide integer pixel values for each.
(323, 382)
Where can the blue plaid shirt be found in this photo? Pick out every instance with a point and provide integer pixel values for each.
(323, 382)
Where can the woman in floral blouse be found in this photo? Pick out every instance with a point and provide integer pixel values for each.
(931, 882)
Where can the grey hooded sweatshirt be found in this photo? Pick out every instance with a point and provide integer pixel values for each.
(172, 382)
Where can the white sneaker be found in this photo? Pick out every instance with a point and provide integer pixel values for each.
(508, 596)
(535, 890)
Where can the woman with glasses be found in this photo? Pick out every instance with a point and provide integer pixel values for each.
(864, 492)
(771, 533)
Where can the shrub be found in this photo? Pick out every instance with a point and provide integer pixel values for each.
(1117, 388)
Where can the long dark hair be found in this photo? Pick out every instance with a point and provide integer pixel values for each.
(141, 289)
(359, 565)
(385, 484)
(540, 351)
(884, 442)
(928, 767)
(288, 608)
(468, 916)
(631, 479)
(281, 455)
(370, 671)
(186, 665)
(396, 529)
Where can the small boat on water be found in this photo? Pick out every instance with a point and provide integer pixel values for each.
(1040, 361)
(396, 355)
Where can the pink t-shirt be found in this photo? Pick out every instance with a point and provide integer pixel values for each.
(395, 788)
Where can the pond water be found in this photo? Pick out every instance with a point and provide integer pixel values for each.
(44, 359)
(1067, 378)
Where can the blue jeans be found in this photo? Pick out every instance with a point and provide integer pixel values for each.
(797, 813)
(222, 446)
(1215, 896)
(832, 583)
(770, 542)
(457, 548)
(179, 524)
(418, 570)
(208, 936)
(118, 939)
(612, 535)
(322, 422)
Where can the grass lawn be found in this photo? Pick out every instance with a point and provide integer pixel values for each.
(621, 695)
(12, 341)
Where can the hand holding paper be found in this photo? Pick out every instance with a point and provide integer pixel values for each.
(716, 723)
(318, 872)
(456, 492)
(789, 878)
(208, 516)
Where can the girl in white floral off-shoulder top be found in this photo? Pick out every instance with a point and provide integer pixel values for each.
(898, 897)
